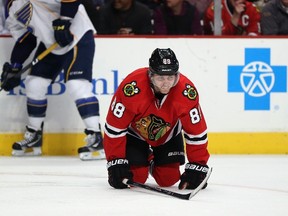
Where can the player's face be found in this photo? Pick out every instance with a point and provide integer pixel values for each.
(285, 3)
(173, 3)
(122, 4)
(163, 83)
(235, 2)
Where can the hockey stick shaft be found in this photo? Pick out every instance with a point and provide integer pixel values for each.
(156, 189)
(187, 196)
(39, 57)
(35, 61)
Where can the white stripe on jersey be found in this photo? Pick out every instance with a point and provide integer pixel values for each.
(114, 132)
(174, 131)
(198, 139)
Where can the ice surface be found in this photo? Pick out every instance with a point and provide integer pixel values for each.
(245, 185)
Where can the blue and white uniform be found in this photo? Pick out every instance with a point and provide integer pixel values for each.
(37, 16)
(32, 24)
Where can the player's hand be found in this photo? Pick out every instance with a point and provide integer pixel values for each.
(239, 6)
(193, 176)
(10, 77)
(118, 169)
(62, 33)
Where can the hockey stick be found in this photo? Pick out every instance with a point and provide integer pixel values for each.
(167, 192)
(34, 62)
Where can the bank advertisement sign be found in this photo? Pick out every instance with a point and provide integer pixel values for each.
(257, 78)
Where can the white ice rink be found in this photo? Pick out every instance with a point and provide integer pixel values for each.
(65, 186)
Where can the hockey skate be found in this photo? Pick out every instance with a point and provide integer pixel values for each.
(94, 147)
(30, 145)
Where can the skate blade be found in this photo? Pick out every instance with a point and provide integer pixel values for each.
(36, 151)
(97, 155)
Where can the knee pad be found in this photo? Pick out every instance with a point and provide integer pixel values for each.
(86, 102)
(36, 87)
(78, 89)
(166, 175)
(140, 173)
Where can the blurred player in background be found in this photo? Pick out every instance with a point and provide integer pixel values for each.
(143, 130)
(39, 24)
(239, 17)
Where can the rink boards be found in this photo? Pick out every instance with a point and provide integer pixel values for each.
(242, 85)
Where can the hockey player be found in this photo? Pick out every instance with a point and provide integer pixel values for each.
(41, 23)
(143, 129)
(239, 17)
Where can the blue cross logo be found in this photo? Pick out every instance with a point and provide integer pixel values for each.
(257, 79)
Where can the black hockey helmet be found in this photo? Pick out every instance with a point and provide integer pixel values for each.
(163, 62)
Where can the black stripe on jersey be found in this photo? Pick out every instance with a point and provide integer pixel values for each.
(113, 132)
(195, 139)
(175, 129)
(132, 132)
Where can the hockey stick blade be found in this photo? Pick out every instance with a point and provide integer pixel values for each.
(187, 196)
(196, 190)
(92, 159)
(34, 62)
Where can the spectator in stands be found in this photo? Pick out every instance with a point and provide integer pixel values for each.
(3, 30)
(201, 5)
(259, 3)
(239, 17)
(92, 8)
(274, 18)
(177, 17)
(126, 17)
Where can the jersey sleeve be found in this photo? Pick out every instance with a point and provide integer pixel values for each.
(23, 48)
(69, 8)
(195, 132)
(15, 28)
(118, 119)
(25, 40)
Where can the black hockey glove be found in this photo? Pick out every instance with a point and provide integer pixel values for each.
(118, 169)
(193, 176)
(10, 77)
(62, 32)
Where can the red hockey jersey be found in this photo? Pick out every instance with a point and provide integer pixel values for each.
(135, 108)
(249, 22)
